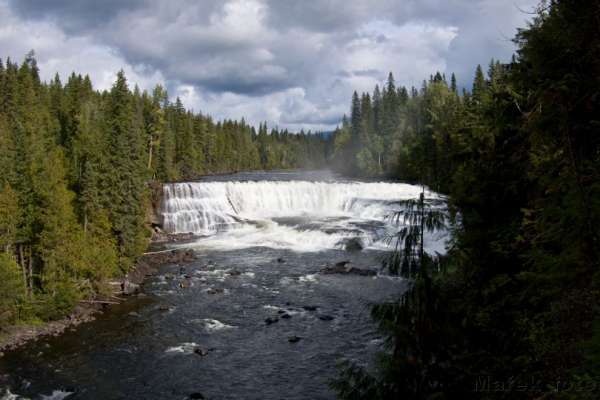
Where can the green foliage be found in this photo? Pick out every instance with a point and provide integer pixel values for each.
(9, 217)
(76, 164)
(12, 289)
(519, 157)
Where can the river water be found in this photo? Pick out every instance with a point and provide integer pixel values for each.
(207, 327)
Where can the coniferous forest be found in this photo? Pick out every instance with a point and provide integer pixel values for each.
(511, 311)
(76, 166)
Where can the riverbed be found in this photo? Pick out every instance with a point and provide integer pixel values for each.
(253, 317)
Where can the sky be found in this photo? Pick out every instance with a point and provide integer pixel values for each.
(292, 63)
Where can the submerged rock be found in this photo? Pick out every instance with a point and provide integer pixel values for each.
(294, 339)
(201, 352)
(286, 316)
(280, 260)
(310, 308)
(196, 396)
(344, 267)
(324, 317)
(271, 320)
(184, 284)
(353, 244)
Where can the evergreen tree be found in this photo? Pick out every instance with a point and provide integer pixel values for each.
(479, 85)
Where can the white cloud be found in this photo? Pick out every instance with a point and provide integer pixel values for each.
(59, 53)
(292, 63)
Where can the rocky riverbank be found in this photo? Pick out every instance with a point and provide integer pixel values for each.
(148, 264)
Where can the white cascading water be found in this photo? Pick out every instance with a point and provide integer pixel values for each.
(244, 214)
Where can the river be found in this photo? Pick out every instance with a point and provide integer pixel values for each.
(253, 317)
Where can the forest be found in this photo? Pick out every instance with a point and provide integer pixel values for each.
(77, 165)
(512, 311)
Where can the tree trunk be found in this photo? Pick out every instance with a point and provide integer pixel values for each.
(422, 211)
(21, 262)
(85, 221)
(30, 283)
(150, 153)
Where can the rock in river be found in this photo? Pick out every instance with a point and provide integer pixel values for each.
(353, 244)
(324, 317)
(344, 267)
(129, 288)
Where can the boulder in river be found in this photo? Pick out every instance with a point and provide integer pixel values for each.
(353, 244)
(286, 316)
(196, 396)
(310, 308)
(184, 284)
(294, 339)
(324, 317)
(271, 320)
(344, 267)
(129, 288)
(200, 351)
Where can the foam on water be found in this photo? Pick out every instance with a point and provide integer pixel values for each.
(213, 325)
(8, 395)
(319, 216)
(56, 395)
(184, 348)
(310, 278)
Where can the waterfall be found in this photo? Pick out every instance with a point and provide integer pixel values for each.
(298, 215)
(204, 207)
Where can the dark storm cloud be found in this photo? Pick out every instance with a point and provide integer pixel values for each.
(288, 61)
(74, 16)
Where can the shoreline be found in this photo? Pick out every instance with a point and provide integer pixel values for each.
(147, 265)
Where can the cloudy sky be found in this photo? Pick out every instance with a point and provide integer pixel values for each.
(293, 63)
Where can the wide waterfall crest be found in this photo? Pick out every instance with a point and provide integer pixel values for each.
(203, 207)
(298, 215)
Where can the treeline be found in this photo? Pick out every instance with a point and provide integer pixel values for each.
(513, 310)
(74, 170)
(412, 134)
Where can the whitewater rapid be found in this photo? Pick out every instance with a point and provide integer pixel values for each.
(299, 215)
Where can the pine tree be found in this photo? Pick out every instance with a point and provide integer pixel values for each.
(127, 191)
(479, 85)
(355, 122)
(9, 218)
(453, 87)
